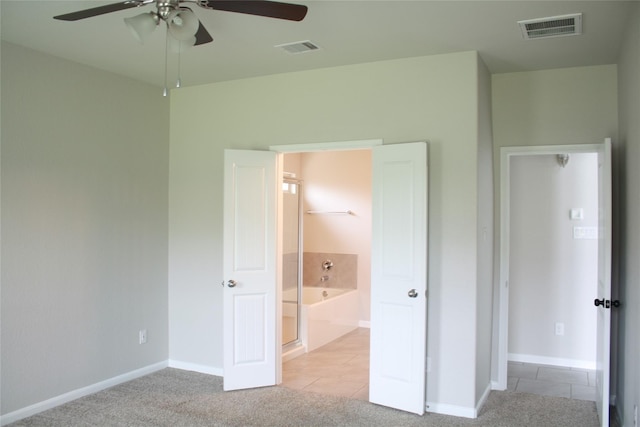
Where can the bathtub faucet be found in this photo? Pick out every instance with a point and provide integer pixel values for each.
(324, 278)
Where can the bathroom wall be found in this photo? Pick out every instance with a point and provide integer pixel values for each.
(343, 274)
(338, 181)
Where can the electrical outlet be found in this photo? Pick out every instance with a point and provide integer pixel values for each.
(142, 336)
(559, 328)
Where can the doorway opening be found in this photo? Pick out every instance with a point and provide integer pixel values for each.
(326, 253)
(399, 241)
(553, 274)
(602, 236)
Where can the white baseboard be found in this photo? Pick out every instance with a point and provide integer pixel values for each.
(364, 324)
(30, 410)
(495, 385)
(552, 361)
(483, 400)
(460, 411)
(203, 369)
(454, 410)
(293, 353)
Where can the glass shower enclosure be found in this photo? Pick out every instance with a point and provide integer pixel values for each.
(291, 261)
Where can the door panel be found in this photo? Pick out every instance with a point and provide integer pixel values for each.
(249, 335)
(604, 283)
(396, 365)
(249, 295)
(397, 188)
(399, 277)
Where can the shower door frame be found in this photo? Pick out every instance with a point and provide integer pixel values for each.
(298, 340)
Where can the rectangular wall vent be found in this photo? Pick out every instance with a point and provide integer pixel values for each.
(555, 26)
(298, 47)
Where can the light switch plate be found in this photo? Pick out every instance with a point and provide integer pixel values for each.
(585, 233)
(576, 213)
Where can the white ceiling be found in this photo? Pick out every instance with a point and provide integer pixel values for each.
(348, 32)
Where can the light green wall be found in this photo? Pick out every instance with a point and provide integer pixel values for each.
(428, 98)
(484, 314)
(628, 390)
(551, 107)
(84, 220)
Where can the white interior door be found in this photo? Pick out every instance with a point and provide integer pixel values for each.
(603, 299)
(399, 277)
(249, 265)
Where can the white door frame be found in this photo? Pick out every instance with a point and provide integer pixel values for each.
(366, 144)
(327, 146)
(418, 276)
(503, 305)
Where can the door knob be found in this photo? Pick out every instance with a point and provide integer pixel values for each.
(232, 283)
(606, 303)
(412, 293)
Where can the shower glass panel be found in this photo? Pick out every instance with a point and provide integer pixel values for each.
(291, 261)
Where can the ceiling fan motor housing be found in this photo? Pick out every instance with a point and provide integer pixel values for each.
(165, 7)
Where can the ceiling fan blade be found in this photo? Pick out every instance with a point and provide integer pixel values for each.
(95, 11)
(202, 36)
(271, 9)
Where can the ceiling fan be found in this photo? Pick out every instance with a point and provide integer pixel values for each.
(182, 22)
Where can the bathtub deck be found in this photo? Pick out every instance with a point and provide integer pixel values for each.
(340, 368)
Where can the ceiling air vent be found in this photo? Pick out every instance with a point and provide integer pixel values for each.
(298, 47)
(555, 26)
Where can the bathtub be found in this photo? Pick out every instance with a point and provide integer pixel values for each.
(326, 318)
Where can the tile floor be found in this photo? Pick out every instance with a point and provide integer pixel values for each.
(340, 368)
(552, 381)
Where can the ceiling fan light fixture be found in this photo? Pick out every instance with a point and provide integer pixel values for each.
(142, 25)
(183, 24)
(179, 46)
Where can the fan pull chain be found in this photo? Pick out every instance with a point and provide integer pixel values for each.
(179, 80)
(165, 92)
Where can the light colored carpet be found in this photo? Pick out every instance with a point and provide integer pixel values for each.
(173, 397)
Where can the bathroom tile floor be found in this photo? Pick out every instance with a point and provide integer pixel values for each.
(340, 368)
(552, 381)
